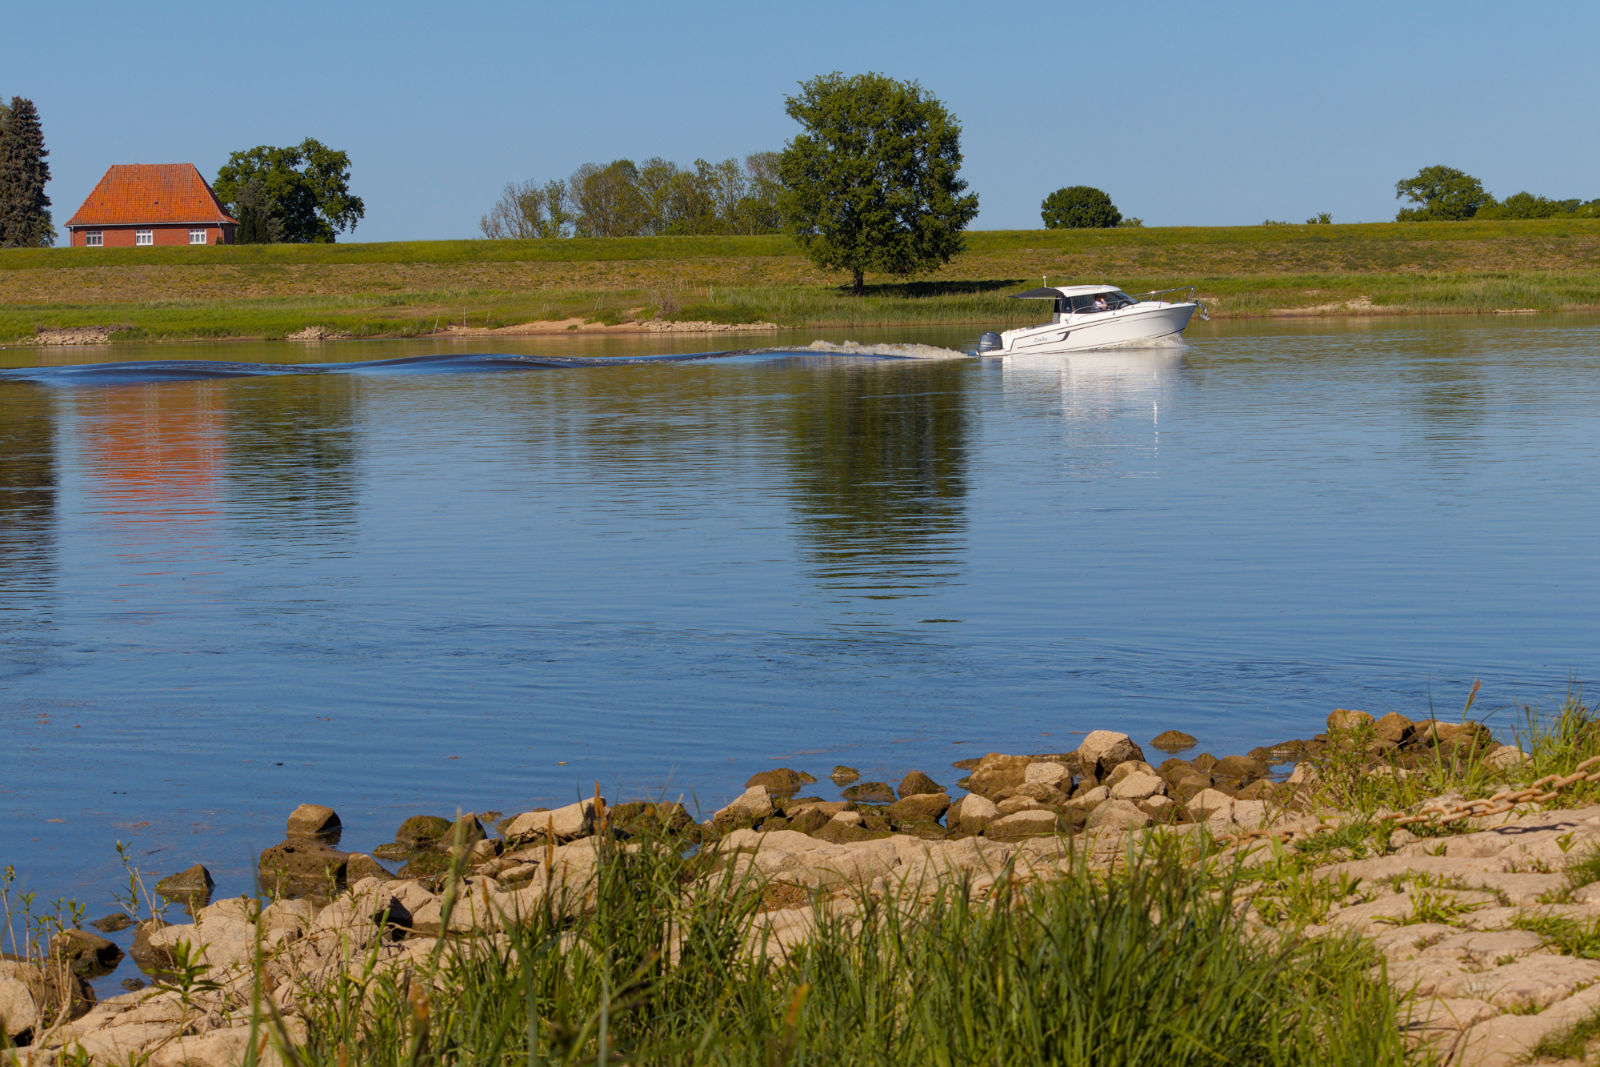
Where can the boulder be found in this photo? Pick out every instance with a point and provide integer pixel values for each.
(1137, 787)
(1238, 770)
(1117, 814)
(976, 812)
(1394, 728)
(1173, 741)
(919, 807)
(1049, 772)
(1209, 804)
(748, 808)
(843, 775)
(1124, 769)
(1260, 789)
(870, 793)
(18, 1012)
(314, 820)
(1022, 824)
(998, 771)
(359, 865)
(1162, 809)
(1345, 720)
(567, 823)
(192, 887)
(303, 868)
(1086, 800)
(424, 831)
(1184, 786)
(1047, 795)
(1102, 750)
(780, 781)
(1012, 805)
(644, 819)
(1505, 757)
(918, 784)
(86, 955)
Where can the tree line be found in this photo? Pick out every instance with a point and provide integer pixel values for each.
(1447, 194)
(24, 208)
(654, 198)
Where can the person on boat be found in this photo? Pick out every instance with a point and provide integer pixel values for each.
(1100, 302)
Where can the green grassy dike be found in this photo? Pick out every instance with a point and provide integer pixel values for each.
(415, 288)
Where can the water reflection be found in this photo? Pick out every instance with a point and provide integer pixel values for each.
(879, 476)
(153, 459)
(291, 453)
(27, 498)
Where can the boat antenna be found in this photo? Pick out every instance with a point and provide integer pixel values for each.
(1044, 280)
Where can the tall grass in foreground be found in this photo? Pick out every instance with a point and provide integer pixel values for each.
(1152, 964)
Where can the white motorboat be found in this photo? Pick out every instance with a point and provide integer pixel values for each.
(1096, 316)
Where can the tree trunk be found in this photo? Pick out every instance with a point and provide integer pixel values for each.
(858, 286)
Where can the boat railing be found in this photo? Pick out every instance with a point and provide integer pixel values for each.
(1163, 294)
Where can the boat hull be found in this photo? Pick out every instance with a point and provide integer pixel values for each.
(1082, 333)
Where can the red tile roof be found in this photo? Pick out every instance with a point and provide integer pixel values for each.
(152, 193)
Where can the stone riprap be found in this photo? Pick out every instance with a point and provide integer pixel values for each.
(1451, 915)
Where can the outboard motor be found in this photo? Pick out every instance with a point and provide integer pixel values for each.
(989, 342)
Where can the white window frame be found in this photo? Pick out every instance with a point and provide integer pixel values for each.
(93, 238)
(144, 237)
(197, 235)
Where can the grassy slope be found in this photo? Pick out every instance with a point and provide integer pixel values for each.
(414, 287)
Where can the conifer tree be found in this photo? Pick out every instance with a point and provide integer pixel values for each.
(24, 208)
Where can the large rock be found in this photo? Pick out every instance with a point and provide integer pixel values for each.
(748, 808)
(976, 812)
(1394, 728)
(1210, 805)
(1050, 773)
(1345, 720)
(567, 824)
(18, 1011)
(192, 887)
(1022, 824)
(918, 784)
(1124, 769)
(780, 781)
(1137, 787)
(423, 831)
(998, 771)
(85, 954)
(919, 807)
(303, 868)
(1117, 814)
(870, 793)
(1173, 741)
(1102, 750)
(315, 820)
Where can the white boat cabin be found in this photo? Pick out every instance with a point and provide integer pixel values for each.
(1080, 299)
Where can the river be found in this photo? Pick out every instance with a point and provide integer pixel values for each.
(228, 585)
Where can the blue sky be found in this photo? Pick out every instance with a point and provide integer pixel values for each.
(1186, 113)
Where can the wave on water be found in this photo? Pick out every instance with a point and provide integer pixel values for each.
(893, 351)
(178, 370)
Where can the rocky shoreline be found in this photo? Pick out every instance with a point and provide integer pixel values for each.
(1487, 987)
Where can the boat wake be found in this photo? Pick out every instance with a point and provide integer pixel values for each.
(177, 370)
(851, 348)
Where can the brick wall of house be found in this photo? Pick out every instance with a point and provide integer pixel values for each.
(161, 236)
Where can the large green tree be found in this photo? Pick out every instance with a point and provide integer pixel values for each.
(305, 191)
(872, 183)
(24, 208)
(1078, 207)
(1440, 193)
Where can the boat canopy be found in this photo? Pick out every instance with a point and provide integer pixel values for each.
(1053, 292)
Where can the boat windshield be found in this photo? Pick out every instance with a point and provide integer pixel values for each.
(1088, 304)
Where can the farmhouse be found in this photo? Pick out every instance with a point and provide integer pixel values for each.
(151, 204)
